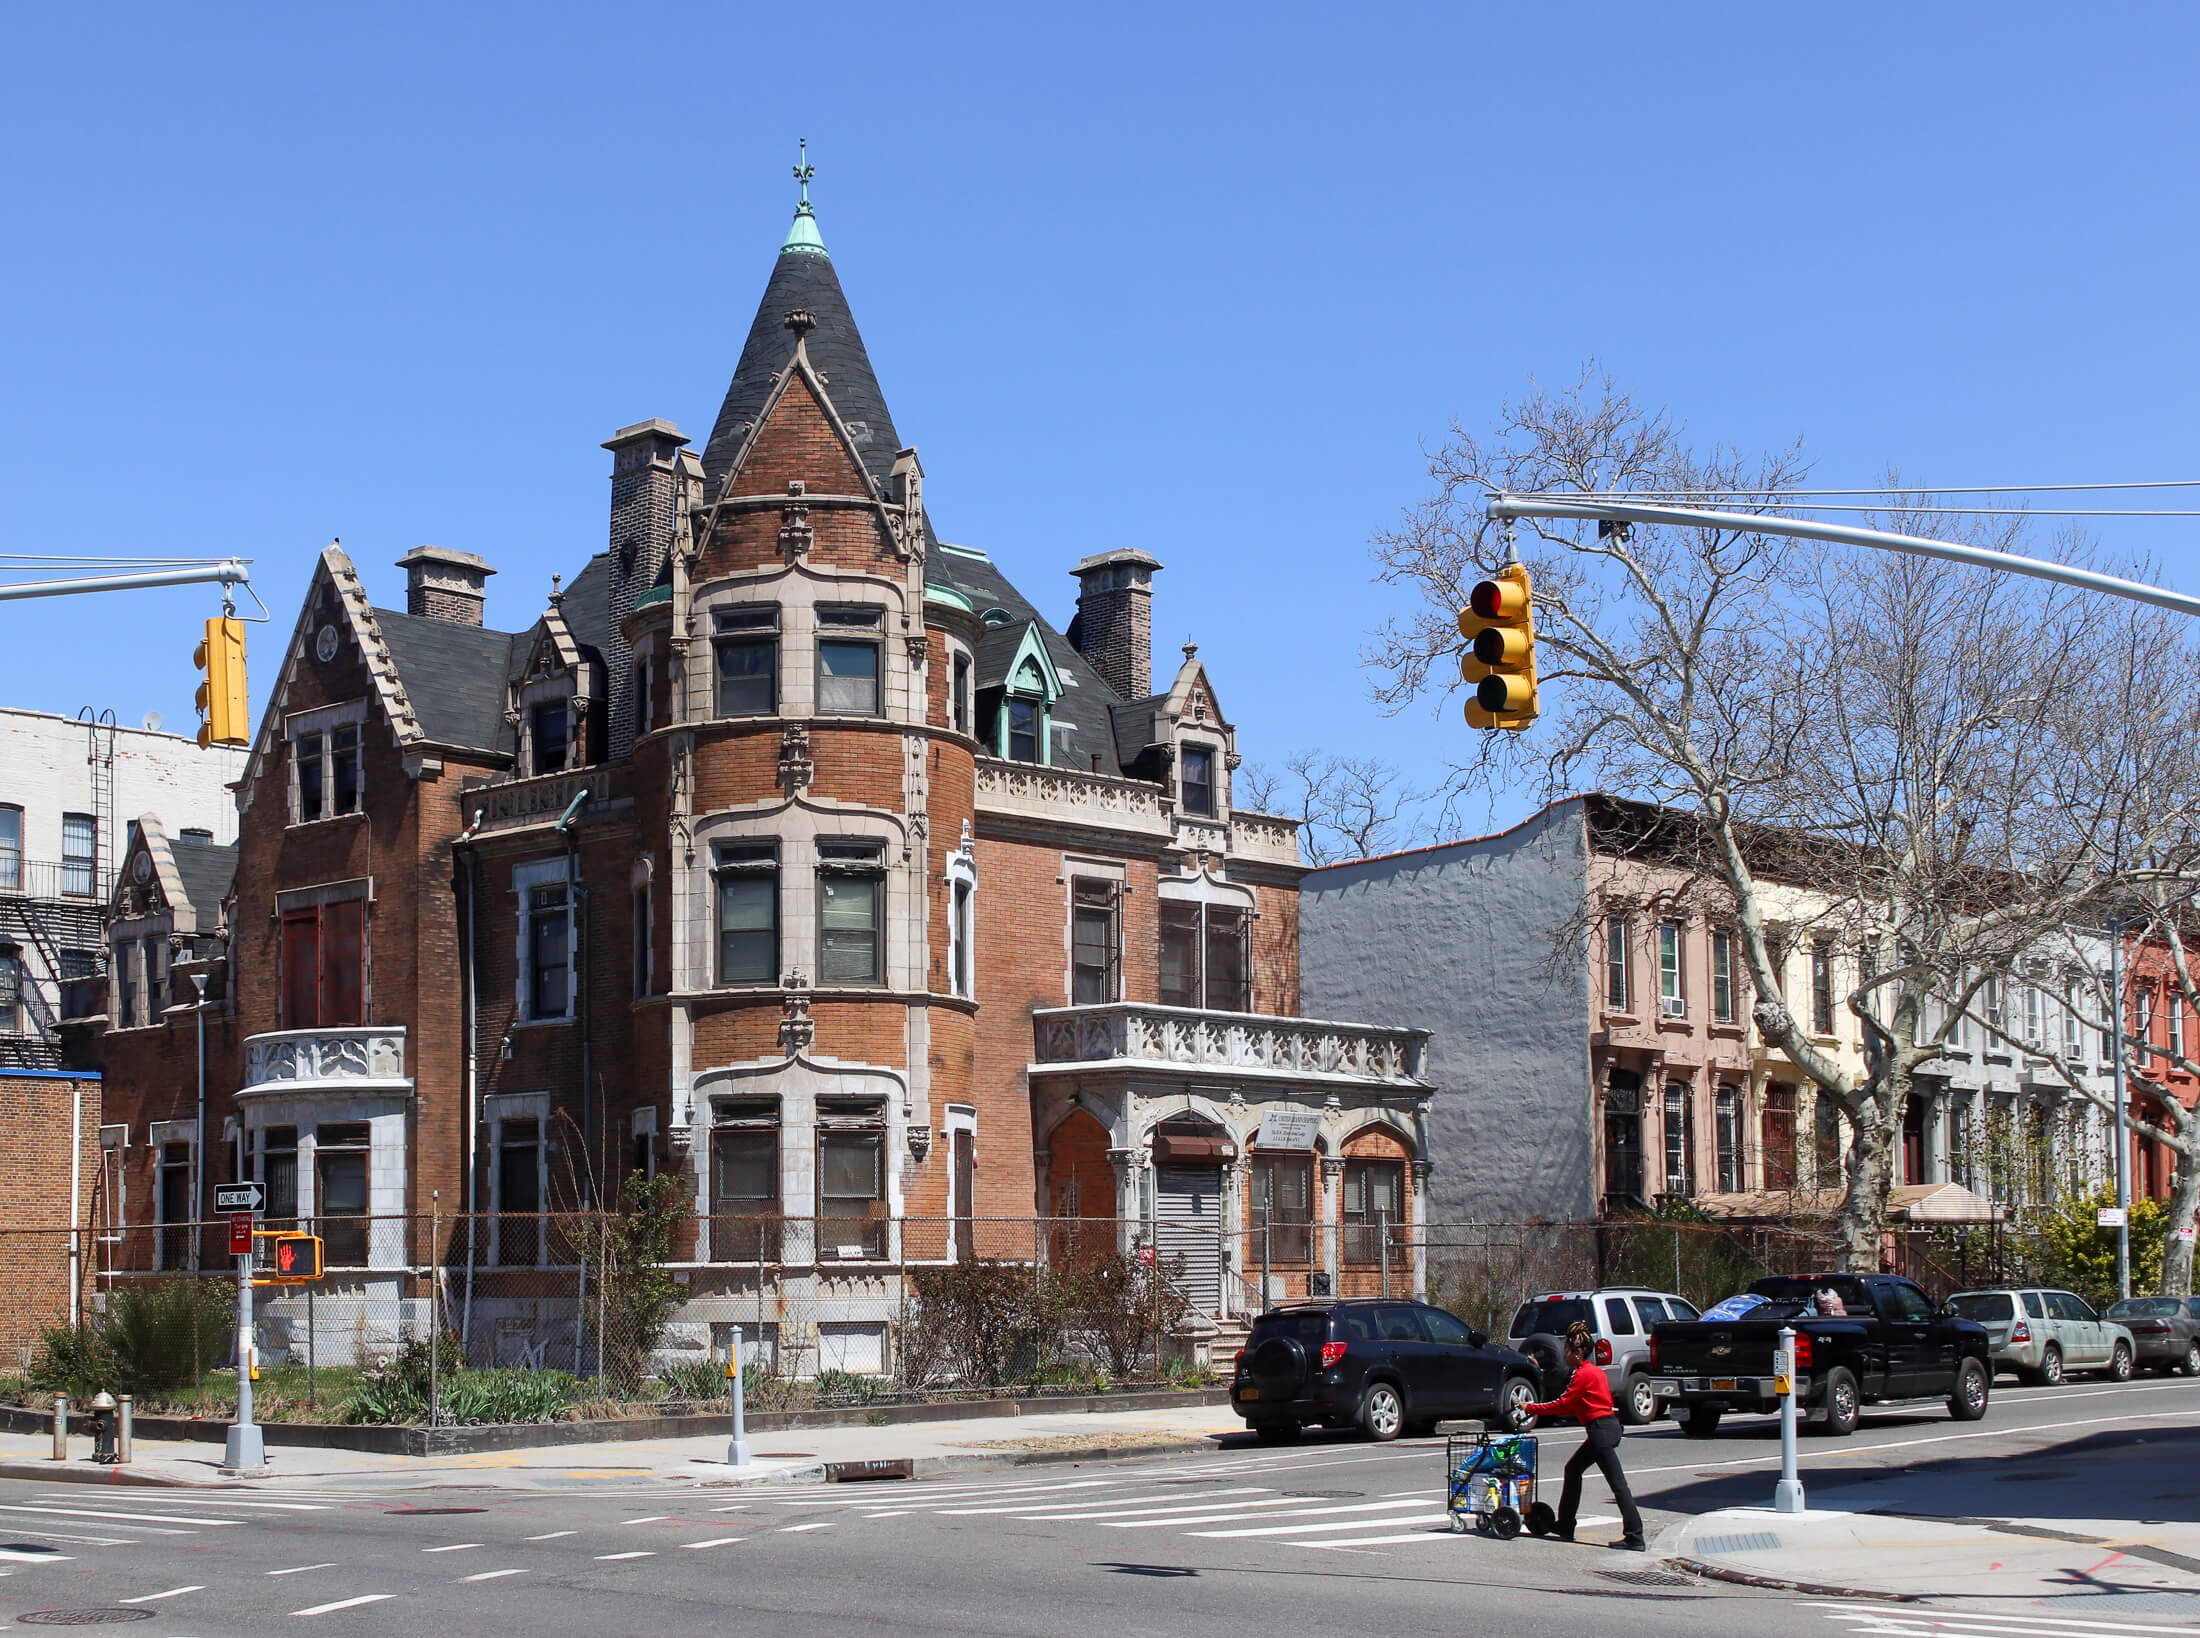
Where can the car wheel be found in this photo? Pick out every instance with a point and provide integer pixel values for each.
(2051, 1367)
(1973, 1385)
(2191, 1367)
(1276, 1433)
(1700, 1421)
(1513, 1401)
(2119, 1363)
(1382, 1413)
(1637, 1403)
(1842, 1403)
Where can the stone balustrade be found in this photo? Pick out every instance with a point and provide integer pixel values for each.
(344, 1057)
(1252, 1043)
(1057, 794)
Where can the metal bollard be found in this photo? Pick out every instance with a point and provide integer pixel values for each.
(60, 1428)
(122, 1454)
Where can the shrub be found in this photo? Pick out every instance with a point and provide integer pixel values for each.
(151, 1338)
(983, 1321)
(850, 1388)
(2080, 1254)
(1121, 1306)
(632, 1293)
(473, 1398)
(693, 1379)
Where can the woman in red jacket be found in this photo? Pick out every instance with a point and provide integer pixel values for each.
(1588, 1399)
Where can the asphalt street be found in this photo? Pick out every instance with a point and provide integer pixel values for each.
(1329, 1534)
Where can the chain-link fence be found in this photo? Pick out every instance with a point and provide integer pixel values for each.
(521, 1317)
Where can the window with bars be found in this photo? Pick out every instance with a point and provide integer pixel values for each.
(745, 641)
(748, 913)
(1283, 1209)
(851, 913)
(520, 1240)
(172, 1200)
(1680, 1140)
(848, 661)
(1373, 1207)
(279, 1174)
(1729, 1118)
(1095, 941)
(324, 965)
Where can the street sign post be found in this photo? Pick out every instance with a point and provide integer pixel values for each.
(245, 1450)
(1787, 1495)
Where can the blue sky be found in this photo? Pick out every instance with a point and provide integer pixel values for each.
(1200, 281)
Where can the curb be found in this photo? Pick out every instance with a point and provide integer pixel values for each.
(70, 1473)
(1773, 1583)
(934, 1467)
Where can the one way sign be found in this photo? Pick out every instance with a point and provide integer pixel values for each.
(240, 1197)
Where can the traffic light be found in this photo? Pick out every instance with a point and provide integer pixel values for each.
(1499, 664)
(297, 1258)
(221, 696)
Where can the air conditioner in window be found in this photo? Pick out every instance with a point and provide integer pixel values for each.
(1673, 1006)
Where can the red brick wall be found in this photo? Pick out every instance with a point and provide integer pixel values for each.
(34, 1197)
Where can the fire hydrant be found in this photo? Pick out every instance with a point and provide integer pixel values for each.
(105, 1422)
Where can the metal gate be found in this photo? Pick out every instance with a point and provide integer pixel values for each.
(1188, 1226)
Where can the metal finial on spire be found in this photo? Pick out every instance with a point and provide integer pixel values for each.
(804, 170)
(803, 236)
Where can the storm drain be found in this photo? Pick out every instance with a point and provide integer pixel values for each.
(82, 1618)
(1753, 1541)
(1647, 1578)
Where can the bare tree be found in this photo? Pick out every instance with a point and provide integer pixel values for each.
(1914, 744)
(1348, 807)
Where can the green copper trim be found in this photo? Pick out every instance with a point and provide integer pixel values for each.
(803, 237)
(948, 597)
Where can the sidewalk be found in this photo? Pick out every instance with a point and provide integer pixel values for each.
(2074, 1567)
(789, 1457)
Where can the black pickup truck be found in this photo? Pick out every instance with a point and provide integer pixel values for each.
(1885, 1346)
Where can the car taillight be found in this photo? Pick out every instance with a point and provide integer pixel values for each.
(1331, 1353)
(1653, 1352)
(1239, 1360)
(1802, 1350)
(2023, 1333)
(1604, 1351)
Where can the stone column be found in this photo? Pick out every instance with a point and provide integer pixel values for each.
(1128, 1225)
(1332, 1220)
(1236, 1193)
(1416, 1215)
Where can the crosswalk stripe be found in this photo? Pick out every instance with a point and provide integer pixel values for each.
(796, 1529)
(1112, 1506)
(1240, 1513)
(453, 1547)
(345, 1604)
(492, 1575)
(1318, 1529)
(153, 1598)
(1435, 1534)
(715, 1541)
(1966, 1622)
(103, 1513)
(553, 1535)
(613, 1558)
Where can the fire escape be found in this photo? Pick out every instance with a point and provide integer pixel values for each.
(51, 912)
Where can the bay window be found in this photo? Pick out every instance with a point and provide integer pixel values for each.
(848, 661)
(748, 913)
(851, 1179)
(746, 642)
(744, 1180)
(851, 904)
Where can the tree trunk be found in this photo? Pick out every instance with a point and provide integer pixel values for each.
(1860, 1224)
(2184, 1205)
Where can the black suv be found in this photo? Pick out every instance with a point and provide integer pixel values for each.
(1392, 1367)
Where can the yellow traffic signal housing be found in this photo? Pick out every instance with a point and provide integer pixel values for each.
(223, 713)
(296, 1259)
(1499, 664)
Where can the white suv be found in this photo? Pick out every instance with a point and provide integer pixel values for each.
(1621, 1317)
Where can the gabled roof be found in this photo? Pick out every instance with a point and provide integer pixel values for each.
(192, 872)
(803, 277)
(1083, 716)
(455, 676)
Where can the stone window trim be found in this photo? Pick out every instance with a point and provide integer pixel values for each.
(799, 829)
(1084, 881)
(641, 1126)
(849, 630)
(305, 898)
(737, 864)
(529, 698)
(803, 594)
(498, 1108)
(525, 879)
(317, 725)
(1202, 798)
(961, 882)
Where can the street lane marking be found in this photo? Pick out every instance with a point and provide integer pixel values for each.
(10, 1556)
(491, 1575)
(554, 1535)
(2064, 1623)
(791, 1529)
(300, 1569)
(611, 1558)
(715, 1541)
(1433, 1533)
(1313, 1529)
(898, 1513)
(1112, 1506)
(149, 1598)
(454, 1547)
(345, 1604)
(1238, 1513)
(654, 1518)
(134, 1518)
(1907, 1444)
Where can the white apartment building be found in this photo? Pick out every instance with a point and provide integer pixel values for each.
(70, 791)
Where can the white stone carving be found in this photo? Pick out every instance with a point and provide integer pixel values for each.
(338, 1058)
(1307, 1047)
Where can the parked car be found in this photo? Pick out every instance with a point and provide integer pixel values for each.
(2040, 1333)
(2165, 1331)
(1391, 1367)
(1621, 1317)
(1884, 1346)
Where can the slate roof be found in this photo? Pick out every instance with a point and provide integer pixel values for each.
(455, 677)
(804, 279)
(1086, 707)
(204, 870)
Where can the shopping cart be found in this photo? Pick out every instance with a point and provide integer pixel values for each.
(1490, 1479)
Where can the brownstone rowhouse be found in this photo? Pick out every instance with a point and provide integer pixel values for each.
(49, 1187)
(792, 849)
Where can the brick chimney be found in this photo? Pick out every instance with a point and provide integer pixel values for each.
(649, 461)
(1113, 629)
(441, 584)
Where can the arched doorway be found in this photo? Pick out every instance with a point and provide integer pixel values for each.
(1080, 1185)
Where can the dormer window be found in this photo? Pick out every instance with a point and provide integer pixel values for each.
(550, 728)
(1024, 729)
(1196, 780)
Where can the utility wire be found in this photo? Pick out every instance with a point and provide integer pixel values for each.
(1862, 489)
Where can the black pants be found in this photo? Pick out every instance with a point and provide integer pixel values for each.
(1600, 1445)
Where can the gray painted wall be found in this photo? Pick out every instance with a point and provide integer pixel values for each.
(1459, 940)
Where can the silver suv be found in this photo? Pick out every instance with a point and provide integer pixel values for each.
(1621, 1317)
(2039, 1333)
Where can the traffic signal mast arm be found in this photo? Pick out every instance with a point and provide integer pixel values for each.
(229, 571)
(1504, 508)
